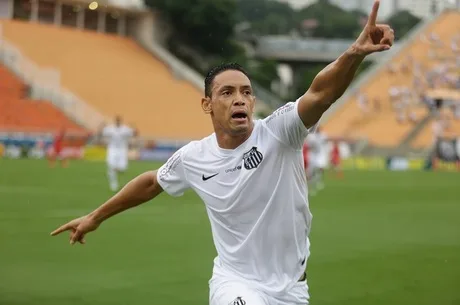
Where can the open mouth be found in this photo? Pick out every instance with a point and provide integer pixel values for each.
(239, 116)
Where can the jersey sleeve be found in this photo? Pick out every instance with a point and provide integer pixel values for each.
(171, 176)
(285, 124)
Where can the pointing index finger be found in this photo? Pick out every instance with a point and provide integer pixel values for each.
(60, 229)
(373, 16)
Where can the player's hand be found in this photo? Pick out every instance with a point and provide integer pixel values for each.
(374, 37)
(78, 228)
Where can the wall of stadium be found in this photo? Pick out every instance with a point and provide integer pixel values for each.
(39, 146)
(445, 157)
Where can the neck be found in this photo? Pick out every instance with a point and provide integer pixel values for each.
(232, 141)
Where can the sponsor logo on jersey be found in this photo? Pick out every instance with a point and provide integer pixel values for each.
(231, 170)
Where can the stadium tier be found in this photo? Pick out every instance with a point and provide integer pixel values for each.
(447, 28)
(18, 113)
(426, 137)
(116, 76)
(389, 104)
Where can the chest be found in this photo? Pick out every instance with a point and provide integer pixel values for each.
(118, 135)
(242, 178)
(220, 176)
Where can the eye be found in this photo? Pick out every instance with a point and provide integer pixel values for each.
(226, 93)
(247, 92)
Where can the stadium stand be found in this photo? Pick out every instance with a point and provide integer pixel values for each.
(389, 105)
(444, 55)
(142, 89)
(446, 126)
(19, 113)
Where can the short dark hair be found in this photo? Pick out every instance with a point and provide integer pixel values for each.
(216, 71)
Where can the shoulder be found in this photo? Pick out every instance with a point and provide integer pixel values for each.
(195, 149)
(108, 128)
(126, 128)
(288, 107)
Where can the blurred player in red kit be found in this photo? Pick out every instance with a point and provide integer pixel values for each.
(57, 150)
(305, 158)
(335, 159)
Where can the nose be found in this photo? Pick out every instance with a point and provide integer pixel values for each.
(239, 101)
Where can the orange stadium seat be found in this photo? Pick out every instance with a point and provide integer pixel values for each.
(382, 128)
(17, 113)
(116, 76)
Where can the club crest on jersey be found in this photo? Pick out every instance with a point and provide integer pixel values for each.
(252, 158)
(238, 301)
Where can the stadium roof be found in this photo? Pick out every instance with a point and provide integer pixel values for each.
(107, 5)
(287, 48)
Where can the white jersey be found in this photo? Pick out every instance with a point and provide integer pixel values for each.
(118, 137)
(255, 197)
(318, 145)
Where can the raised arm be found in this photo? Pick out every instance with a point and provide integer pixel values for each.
(332, 81)
(141, 189)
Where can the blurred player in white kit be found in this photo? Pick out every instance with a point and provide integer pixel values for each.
(318, 159)
(117, 136)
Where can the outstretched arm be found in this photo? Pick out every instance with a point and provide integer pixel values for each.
(170, 177)
(141, 189)
(332, 81)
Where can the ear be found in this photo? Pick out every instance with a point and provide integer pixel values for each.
(206, 105)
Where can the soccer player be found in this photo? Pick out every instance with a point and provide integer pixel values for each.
(57, 149)
(335, 159)
(118, 136)
(250, 176)
(305, 153)
(317, 142)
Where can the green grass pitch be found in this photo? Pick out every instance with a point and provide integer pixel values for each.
(379, 238)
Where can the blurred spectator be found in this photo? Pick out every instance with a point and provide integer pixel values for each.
(456, 110)
(377, 104)
(363, 102)
(394, 93)
(437, 129)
